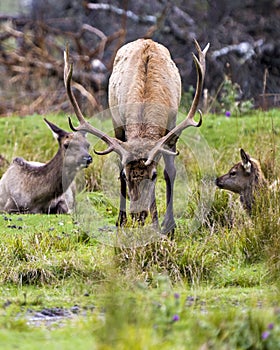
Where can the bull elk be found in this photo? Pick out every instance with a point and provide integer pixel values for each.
(144, 96)
(33, 187)
(245, 178)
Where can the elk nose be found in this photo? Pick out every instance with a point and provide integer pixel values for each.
(88, 160)
(217, 182)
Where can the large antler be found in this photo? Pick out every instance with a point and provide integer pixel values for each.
(175, 133)
(113, 143)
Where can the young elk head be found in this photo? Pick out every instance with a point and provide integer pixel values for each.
(243, 178)
(74, 149)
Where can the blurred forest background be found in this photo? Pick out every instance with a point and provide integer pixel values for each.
(243, 64)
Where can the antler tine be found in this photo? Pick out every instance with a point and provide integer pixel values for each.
(113, 143)
(68, 71)
(189, 120)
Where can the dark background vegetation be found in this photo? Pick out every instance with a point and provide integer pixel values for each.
(244, 37)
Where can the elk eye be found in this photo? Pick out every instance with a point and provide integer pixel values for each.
(123, 175)
(233, 173)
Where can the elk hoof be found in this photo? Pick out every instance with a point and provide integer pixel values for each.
(122, 219)
(168, 229)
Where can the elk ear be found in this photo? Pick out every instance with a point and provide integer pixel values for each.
(56, 131)
(246, 162)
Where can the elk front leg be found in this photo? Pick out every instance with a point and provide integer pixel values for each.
(168, 224)
(154, 212)
(122, 212)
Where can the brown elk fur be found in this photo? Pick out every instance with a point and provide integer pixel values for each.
(145, 86)
(245, 178)
(31, 187)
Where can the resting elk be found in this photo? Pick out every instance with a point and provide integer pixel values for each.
(33, 187)
(245, 178)
(144, 96)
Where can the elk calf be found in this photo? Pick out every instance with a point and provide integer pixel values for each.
(32, 187)
(245, 178)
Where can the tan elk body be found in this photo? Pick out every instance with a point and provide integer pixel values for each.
(144, 97)
(245, 178)
(32, 187)
(64, 204)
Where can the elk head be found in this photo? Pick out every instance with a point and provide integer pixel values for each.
(240, 176)
(73, 146)
(245, 178)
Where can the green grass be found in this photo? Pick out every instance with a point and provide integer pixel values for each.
(12, 7)
(215, 286)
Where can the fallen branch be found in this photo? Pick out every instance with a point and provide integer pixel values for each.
(87, 94)
(129, 14)
(245, 49)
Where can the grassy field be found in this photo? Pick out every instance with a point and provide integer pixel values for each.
(66, 283)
